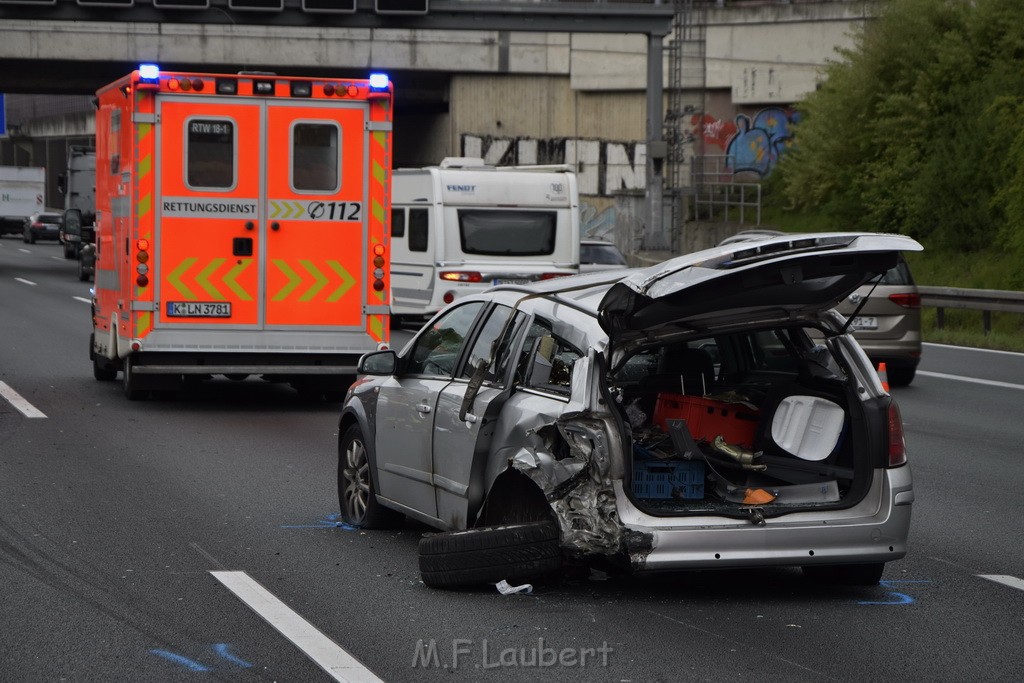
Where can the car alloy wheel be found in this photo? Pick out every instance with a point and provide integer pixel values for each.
(359, 506)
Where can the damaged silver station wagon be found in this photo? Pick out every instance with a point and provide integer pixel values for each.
(708, 412)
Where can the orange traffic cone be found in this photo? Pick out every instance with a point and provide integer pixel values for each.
(883, 375)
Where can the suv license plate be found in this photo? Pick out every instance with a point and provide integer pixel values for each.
(510, 281)
(193, 309)
(864, 323)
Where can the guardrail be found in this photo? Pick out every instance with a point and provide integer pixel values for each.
(984, 300)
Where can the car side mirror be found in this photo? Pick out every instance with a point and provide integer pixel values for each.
(73, 221)
(88, 234)
(378, 363)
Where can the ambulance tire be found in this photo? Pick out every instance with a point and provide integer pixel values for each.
(103, 369)
(130, 382)
(356, 488)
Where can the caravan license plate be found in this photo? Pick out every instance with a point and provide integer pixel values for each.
(193, 309)
(864, 323)
(510, 281)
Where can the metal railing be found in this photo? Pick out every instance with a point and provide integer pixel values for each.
(984, 300)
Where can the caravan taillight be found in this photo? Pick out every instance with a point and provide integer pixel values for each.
(461, 276)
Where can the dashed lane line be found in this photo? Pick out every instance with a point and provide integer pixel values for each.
(327, 654)
(16, 400)
(24, 281)
(82, 299)
(972, 380)
(1011, 581)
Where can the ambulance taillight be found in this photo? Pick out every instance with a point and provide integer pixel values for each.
(142, 256)
(378, 268)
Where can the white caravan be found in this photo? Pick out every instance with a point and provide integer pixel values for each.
(462, 226)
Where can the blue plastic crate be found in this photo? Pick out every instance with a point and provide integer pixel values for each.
(668, 479)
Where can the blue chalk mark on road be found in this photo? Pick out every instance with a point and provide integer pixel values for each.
(332, 521)
(222, 650)
(190, 664)
(897, 597)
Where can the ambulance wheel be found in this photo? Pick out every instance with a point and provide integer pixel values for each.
(131, 382)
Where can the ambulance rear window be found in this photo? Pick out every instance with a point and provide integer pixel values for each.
(210, 154)
(315, 157)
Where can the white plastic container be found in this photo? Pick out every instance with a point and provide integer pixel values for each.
(807, 426)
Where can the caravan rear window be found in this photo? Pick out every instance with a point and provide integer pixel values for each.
(507, 233)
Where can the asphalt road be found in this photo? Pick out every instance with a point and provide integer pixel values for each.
(113, 514)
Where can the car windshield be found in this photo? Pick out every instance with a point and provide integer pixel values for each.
(601, 253)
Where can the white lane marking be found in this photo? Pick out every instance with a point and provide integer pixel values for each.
(1011, 581)
(327, 654)
(972, 380)
(57, 258)
(82, 299)
(27, 282)
(15, 399)
(971, 348)
(27, 251)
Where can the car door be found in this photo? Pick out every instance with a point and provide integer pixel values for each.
(461, 443)
(406, 409)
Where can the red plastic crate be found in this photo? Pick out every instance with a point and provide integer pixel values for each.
(707, 418)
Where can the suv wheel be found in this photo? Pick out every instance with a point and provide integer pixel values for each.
(356, 492)
(901, 377)
(514, 552)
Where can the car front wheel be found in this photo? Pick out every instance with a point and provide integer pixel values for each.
(359, 506)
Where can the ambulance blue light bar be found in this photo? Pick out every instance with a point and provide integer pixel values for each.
(149, 72)
(378, 81)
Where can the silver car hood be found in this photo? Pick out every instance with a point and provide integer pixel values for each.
(793, 277)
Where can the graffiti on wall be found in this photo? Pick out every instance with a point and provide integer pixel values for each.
(597, 224)
(602, 167)
(751, 145)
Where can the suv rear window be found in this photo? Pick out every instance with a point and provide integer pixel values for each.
(898, 275)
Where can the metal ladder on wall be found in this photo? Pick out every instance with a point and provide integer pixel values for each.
(686, 104)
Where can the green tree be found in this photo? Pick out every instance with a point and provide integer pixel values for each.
(902, 135)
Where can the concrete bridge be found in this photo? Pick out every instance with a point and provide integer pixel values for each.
(587, 83)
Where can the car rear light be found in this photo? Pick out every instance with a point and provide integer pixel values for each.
(37, 225)
(908, 300)
(552, 276)
(461, 276)
(897, 444)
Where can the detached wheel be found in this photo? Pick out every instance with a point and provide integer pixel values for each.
(356, 492)
(515, 552)
(846, 574)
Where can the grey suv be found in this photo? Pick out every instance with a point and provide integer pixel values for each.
(707, 412)
(885, 315)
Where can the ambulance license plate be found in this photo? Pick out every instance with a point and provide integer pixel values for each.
(863, 322)
(195, 309)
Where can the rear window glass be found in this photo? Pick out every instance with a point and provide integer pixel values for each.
(898, 275)
(52, 219)
(210, 153)
(315, 156)
(507, 233)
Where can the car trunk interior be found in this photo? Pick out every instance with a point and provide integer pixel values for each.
(763, 420)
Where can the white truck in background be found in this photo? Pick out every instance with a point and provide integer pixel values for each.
(78, 185)
(462, 226)
(22, 193)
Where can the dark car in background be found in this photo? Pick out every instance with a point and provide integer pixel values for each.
(44, 225)
(600, 255)
(886, 314)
